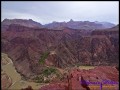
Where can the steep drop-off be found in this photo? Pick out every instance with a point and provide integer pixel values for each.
(25, 46)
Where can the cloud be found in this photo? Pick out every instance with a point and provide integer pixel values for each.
(46, 12)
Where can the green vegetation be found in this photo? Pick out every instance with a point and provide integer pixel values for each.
(43, 57)
(39, 79)
(47, 75)
(48, 71)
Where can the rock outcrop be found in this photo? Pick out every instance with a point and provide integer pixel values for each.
(100, 77)
(28, 88)
(6, 81)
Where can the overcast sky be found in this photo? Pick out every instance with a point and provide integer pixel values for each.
(47, 12)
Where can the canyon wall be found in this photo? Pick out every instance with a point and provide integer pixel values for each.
(25, 46)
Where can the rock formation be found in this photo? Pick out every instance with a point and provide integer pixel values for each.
(6, 81)
(25, 46)
(106, 76)
(86, 25)
(24, 22)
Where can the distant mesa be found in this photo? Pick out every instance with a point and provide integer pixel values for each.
(24, 22)
(86, 25)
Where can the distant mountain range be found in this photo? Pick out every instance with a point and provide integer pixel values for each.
(85, 25)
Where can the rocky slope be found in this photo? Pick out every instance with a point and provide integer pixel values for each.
(25, 46)
(24, 22)
(106, 24)
(101, 77)
(6, 81)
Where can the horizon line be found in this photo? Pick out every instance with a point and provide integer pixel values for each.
(58, 21)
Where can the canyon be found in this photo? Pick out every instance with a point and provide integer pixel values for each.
(32, 48)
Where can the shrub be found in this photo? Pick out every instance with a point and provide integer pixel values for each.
(39, 79)
(43, 57)
(48, 71)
